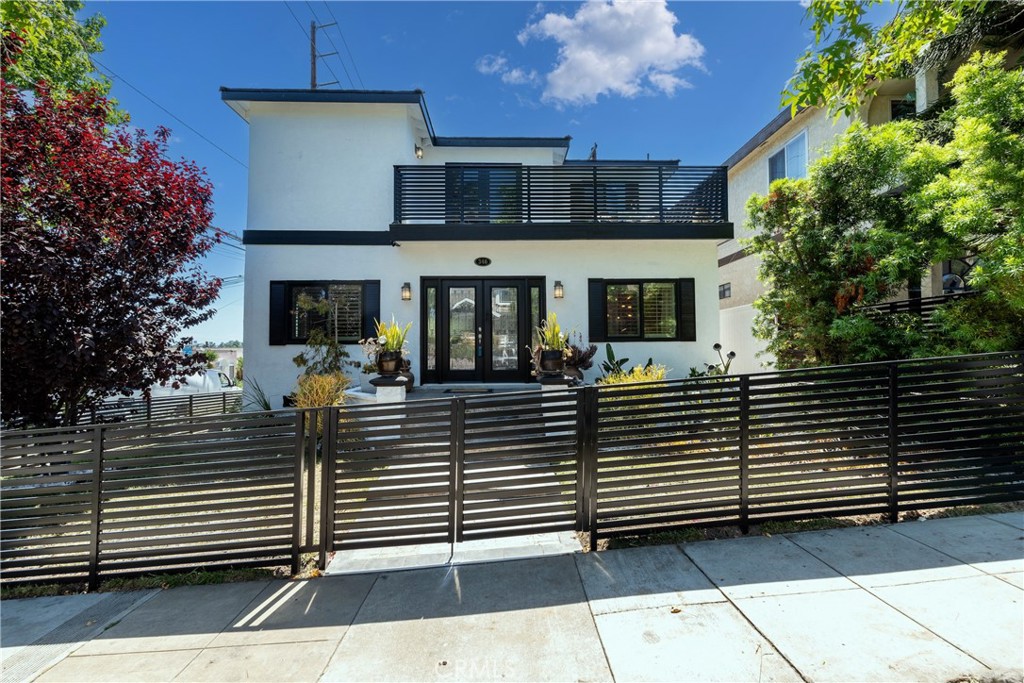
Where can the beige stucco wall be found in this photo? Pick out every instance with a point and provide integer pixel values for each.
(750, 176)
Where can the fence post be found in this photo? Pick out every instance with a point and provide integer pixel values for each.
(456, 487)
(745, 453)
(149, 408)
(223, 402)
(894, 503)
(94, 526)
(191, 405)
(309, 436)
(299, 454)
(590, 417)
(327, 475)
(581, 470)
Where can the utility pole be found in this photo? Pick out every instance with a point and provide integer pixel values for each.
(312, 55)
(315, 55)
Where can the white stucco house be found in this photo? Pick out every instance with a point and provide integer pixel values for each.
(353, 197)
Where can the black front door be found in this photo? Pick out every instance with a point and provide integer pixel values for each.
(481, 329)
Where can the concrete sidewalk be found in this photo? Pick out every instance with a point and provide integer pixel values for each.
(918, 601)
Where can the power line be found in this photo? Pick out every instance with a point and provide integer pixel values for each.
(345, 43)
(331, 41)
(232, 247)
(222, 307)
(306, 33)
(168, 112)
(224, 233)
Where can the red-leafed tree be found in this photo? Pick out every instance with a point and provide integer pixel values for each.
(99, 249)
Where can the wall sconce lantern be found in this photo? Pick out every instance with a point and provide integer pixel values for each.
(559, 290)
(419, 152)
(406, 292)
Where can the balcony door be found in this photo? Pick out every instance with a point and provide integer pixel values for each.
(478, 330)
(483, 194)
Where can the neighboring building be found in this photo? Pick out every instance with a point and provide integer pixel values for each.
(354, 198)
(785, 148)
(227, 360)
(788, 145)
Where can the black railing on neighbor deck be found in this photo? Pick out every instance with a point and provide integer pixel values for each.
(573, 193)
(923, 307)
(81, 504)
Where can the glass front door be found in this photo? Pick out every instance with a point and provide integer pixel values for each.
(478, 330)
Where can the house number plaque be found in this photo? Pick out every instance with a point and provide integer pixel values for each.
(483, 261)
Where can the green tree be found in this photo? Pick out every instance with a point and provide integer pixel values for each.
(979, 196)
(881, 206)
(53, 45)
(838, 240)
(850, 56)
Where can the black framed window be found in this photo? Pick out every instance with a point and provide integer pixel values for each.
(725, 291)
(642, 310)
(902, 109)
(344, 309)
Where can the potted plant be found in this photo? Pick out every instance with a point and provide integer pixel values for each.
(388, 347)
(551, 348)
(581, 356)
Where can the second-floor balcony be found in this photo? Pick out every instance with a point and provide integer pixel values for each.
(577, 200)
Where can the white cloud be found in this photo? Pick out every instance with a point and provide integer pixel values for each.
(518, 76)
(668, 83)
(491, 65)
(618, 47)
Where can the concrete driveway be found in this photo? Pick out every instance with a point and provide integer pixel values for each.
(918, 601)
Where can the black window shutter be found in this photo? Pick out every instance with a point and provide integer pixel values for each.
(371, 307)
(279, 316)
(687, 311)
(598, 320)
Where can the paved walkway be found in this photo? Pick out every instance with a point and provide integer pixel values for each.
(918, 601)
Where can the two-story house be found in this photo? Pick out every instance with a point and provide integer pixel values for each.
(784, 148)
(354, 198)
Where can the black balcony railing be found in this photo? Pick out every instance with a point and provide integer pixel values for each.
(572, 194)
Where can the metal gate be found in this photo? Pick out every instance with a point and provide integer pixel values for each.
(448, 470)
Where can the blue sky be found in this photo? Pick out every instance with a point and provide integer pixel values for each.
(688, 81)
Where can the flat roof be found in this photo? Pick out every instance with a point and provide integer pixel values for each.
(621, 162)
(413, 97)
(502, 142)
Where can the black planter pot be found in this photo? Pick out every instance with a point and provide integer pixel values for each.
(389, 363)
(406, 372)
(551, 363)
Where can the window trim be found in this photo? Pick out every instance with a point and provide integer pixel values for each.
(289, 287)
(725, 291)
(676, 337)
(785, 157)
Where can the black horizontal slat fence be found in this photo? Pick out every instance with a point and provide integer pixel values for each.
(575, 193)
(138, 408)
(519, 465)
(392, 473)
(85, 503)
(834, 441)
(257, 489)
